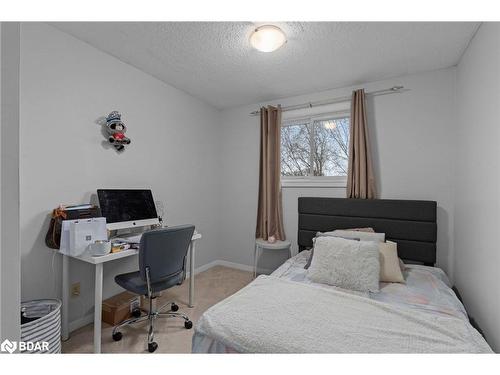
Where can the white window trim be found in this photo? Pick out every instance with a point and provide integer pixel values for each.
(315, 181)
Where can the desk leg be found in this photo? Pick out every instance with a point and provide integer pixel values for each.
(65, 297)
(191, 273)
(255, 260)
(98, 307)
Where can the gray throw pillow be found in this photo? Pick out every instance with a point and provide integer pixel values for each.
(355, 235)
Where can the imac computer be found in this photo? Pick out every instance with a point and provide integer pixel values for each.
(125, 209)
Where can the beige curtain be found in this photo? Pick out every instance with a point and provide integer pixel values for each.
(360, 177)
(269, 212)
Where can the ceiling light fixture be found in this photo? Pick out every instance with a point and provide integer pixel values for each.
(267, 38)
(330, 125)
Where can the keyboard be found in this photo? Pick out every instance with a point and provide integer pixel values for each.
(129, 239)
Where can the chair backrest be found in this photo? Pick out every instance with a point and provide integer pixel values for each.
(164, 251)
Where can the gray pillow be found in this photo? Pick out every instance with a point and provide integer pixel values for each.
(355, 235)
(347, 264)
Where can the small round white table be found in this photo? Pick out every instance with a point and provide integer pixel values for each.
(261, 245)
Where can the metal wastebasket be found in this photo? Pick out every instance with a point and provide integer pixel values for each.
(41, 330)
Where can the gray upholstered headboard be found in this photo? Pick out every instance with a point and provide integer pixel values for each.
(410, 223)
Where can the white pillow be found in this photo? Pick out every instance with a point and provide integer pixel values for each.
(347, 264)
(354, 235)
(367, 234)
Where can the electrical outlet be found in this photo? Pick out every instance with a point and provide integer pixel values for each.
(75, 289)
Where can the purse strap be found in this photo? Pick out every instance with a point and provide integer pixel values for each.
(59, 212)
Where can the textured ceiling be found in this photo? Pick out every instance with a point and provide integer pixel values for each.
(215, 62)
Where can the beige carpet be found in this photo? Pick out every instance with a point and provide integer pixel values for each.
(211, 287)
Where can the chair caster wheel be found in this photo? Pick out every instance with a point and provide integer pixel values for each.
(188, 324)
(117, 336)
(136, 313)
(174, 307)
(152, 347)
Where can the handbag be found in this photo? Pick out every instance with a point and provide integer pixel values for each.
(53, 236)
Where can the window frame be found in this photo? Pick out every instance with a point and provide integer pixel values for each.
(311, 181)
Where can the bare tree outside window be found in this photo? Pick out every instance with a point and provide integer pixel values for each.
(315, 148)
(295, 150)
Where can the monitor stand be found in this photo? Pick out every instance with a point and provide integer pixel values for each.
(132, 234)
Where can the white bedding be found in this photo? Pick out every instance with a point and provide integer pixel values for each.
(425, 303)
(273, 315)
(426, 288)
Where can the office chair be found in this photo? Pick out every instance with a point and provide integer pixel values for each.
(162, 255)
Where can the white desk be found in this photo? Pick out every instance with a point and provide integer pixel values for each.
(98, 263)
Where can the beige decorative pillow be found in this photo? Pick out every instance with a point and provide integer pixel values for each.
(390, 269)
(402, 265)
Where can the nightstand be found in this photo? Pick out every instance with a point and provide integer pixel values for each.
(261, 245)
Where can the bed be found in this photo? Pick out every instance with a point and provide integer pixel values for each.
(286, 312)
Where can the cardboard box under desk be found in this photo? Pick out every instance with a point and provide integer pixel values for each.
(118, 308)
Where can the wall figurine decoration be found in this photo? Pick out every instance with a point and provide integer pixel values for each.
(116, 130)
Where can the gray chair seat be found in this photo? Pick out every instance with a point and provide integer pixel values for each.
(133, 282)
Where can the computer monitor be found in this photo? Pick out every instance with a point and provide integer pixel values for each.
(127, 208)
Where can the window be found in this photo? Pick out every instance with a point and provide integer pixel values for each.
(314, 151)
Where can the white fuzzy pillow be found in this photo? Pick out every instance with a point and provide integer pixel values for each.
(347, 264)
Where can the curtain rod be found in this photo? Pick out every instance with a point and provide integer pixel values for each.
(392, 90)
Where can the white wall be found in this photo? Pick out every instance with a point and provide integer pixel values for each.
(477, 182)
(10, 266)
(413, 153)
(66, 85)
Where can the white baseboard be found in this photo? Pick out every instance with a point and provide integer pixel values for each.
(89, 318)
(237, 266)
(80, 322)
(204, 267)
(242, 267)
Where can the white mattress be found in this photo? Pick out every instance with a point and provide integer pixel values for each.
(426, 289)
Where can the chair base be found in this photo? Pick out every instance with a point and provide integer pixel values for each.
(152, 316)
